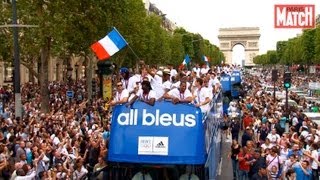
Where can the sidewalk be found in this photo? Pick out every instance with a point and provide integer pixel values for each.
(225, 168)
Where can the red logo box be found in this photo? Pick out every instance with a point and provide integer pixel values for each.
(294, 16)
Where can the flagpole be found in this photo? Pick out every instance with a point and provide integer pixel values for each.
(133, 51)
(127, 43)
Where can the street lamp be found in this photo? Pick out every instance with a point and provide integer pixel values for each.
(69, 78)
(76, 66)
(16, 52)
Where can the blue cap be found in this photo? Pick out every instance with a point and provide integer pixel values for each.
(124, 70)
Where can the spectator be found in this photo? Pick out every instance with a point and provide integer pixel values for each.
(261, 174)
(234, 155)
(302, 170)
(257, 164)
(290, 175)
(244, 163)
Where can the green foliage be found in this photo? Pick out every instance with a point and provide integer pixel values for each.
(293, 51)
(73, 25)
(6, 39)
(272, 57)
(303, 49)
(177, 49)
(308, 46)
(316, 59)
(261, 59)
(281, 47)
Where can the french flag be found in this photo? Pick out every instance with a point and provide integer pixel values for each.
(109, 45)
(186, 61)
(206, 60)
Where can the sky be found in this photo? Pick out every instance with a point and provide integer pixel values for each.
(207, 16)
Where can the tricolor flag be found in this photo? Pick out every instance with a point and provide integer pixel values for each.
(186, 61)
(206, 60)
(109, 45)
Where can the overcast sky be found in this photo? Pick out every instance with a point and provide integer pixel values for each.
(207, 16)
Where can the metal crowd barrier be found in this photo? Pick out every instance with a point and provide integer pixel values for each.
(213, 136)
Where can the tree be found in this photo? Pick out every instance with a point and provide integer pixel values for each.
(316, 59)
(272, 57)
(281, 47)
(198, 47)
(177, 50)
(6, 38)
(68, 28)
(308, 46)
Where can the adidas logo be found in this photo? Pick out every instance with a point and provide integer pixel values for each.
(160, 145)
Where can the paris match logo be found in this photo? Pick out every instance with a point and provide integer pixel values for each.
(294, 16)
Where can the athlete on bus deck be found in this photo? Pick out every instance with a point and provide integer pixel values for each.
(179, 95)
(145, 94)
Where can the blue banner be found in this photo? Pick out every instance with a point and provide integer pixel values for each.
(165, 133)
(235, 77)
(235, 81)
(225, 81)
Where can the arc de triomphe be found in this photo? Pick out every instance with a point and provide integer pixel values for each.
(248, 37)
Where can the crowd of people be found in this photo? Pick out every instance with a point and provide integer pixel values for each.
(269, 142)
(71, 141)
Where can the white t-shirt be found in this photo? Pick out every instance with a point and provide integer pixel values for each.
(124, 94)
(151, 94)
(173, 73)
(176, 93)
(158, 79)
(167, 85)
(201, 96)
(264, 146)
(133, 81)
(177, 85)
(204, 70)
(274, 138)
(273, 161)
(197, 71)
(156, 84)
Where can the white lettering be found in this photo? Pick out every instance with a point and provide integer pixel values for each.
(309, 15)
(190, 120)
(175, 122)
(135, 117)
(165, 119)
(156, 119)
(126, 117)
(289, 20)
(225, 79)
(145, 116)
(131, 117)
(281, 16)
(302, 19)
(295, 16)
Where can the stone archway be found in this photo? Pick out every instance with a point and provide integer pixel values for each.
(248, 37)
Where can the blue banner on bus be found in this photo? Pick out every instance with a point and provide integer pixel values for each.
(235, 77)
(165, 133)
(225, 81)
